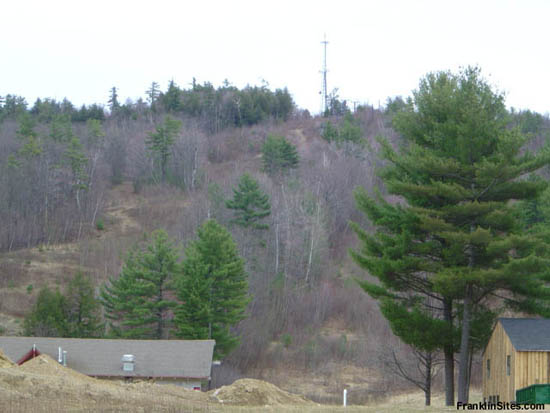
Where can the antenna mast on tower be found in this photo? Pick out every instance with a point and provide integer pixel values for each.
(324, 91)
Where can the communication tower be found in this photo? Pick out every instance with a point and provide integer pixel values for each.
(324, 90)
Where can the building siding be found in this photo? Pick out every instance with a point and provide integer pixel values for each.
(532, 368)
(499, 384)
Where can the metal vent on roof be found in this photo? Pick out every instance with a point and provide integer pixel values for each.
(128, 362)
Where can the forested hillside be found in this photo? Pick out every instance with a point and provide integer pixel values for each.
(86, 193)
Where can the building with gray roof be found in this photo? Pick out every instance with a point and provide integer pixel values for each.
(183, 362)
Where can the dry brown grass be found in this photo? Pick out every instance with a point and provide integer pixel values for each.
(43, 385)
(126, 215)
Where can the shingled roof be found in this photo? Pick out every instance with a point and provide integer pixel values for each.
(184, 359)
(528, 334)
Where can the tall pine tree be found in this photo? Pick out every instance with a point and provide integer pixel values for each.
(114, 105)
(278, 155)
(136, 303)
(82, 308)
(250, 203)
(456, 239)
(213, 289)
(153, 93)
(161, 141)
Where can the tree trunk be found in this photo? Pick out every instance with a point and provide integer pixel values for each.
(314, 226)
(159, 315)
(470, 367)
(288, 234)
(463, 372)
(277, 248)
(194, 171)
(464, 368)
(448, 351)
(428, 383)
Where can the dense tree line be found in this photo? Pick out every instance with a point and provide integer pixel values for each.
(226, 105)
(48, 110)
(216, 108)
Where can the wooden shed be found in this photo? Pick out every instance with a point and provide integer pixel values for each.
(517, 355)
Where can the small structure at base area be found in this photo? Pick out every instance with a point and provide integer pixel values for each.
(181, 362)
(517, 356)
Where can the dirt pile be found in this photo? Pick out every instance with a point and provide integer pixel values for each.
(251, 392)
(5, 362)
(47, 366)
(42, 384)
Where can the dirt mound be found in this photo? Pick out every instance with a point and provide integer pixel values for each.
(251, 392)
(5, 362)
(47, 366)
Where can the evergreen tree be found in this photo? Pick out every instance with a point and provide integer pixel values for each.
(418, 328)
(82, 308)
(67, 108)
(48, 315)
(250, 203)
(330, 132)
(456, 240)
(137, 302)
(61, 129)
(14, 106)
(279, 155)
(350, 131)
(172, 98)
(73, 314)
(394, 105)
(27, 126)
(95, 132)
(284, 104)
(77, 162)
(534, 214)
(161, 141)
(32, 145)
(213, 289)
(153, 93)
(114, 105)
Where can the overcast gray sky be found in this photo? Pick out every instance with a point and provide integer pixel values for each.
(79, 49)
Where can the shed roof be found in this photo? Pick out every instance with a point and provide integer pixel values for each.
(102, 357)
(528, 334)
